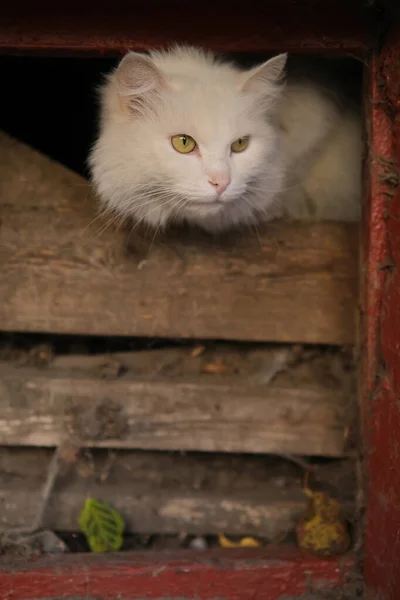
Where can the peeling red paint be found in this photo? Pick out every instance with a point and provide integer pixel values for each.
(226, 575)
(382, 414)
(118, 25)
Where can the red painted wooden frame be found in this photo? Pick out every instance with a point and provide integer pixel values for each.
(381, 344)
(312, 25)
(114, 26)
(229, 575)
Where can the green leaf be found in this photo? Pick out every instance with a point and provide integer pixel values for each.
(102, 525)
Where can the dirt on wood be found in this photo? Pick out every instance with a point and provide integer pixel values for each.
(146, 486)
(208, 397)
(258, 363)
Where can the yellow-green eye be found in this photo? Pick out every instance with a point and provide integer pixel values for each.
(183, 143)
(240, 144)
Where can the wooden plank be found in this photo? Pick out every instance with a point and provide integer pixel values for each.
(324, 25)
(229, 414)
(61, 272)
(157, 493)
(269, 574)
(380, 376)
(169, 493)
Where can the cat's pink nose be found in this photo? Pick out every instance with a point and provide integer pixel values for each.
(220, 182)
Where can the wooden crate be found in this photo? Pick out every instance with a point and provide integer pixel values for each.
(39, 264)
(64, 272)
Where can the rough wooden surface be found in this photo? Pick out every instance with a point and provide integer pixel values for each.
(380, 377)
(61, 272)
(168, 493)
(310, 25)
(272, 573)
(110, 408)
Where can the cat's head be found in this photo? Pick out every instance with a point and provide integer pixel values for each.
(186, 137)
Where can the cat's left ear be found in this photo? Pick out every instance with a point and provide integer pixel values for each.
(137, 77)
(265, 77)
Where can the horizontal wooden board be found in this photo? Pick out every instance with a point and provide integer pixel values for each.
(310, 25)
(167, 493)
(269, 574)
(43, 407)
(63, 270)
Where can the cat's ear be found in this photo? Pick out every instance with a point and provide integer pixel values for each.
(265, 77)
(137, 75)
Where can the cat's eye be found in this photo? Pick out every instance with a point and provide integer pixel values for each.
(240, 144)
(183, 143)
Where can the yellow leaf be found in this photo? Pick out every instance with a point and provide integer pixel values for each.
(246, 542)
(323, 531)
(217, 368)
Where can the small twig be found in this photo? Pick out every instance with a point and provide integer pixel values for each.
(300, 462)
(52, 473)
(111, 458)
(22, 534)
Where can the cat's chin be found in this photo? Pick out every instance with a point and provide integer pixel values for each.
(204, 206)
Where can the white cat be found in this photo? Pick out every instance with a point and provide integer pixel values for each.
(185, 137)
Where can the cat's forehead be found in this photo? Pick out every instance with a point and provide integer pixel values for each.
(208, 110)
(210, 85)
(196, 82)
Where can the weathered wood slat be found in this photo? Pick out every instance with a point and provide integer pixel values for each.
(62, 273)
(267, 573)
(334, 25)
(165, 493)
(46, 407)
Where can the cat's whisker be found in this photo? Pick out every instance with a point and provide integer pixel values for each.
(160, 224)
(264, 212)
(153, 200)
(171, 209)
(154, 237)
(254, 229)
(181, 205)
(99, 216)
(106, 225)
(149, 212)
(359, 58)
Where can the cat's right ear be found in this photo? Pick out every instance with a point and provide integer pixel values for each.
(266, 77)
(137, 76)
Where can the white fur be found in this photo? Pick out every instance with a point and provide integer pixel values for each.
(303, 160)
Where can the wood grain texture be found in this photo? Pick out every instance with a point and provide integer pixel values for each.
(306, 25)
(166, 492)
(272, 573)
(63, 271)
(380, 378)
(156, 493)
(45, 408)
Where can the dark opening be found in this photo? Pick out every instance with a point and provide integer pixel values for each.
(50, 103)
